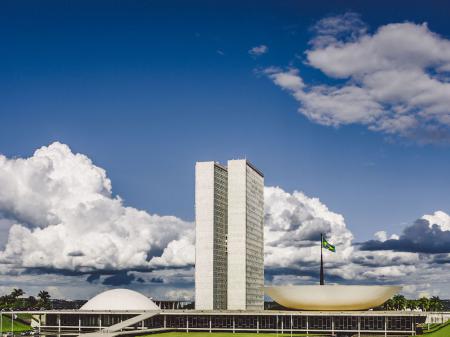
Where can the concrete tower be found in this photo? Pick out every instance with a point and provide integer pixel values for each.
(211, 231)
(245, 236)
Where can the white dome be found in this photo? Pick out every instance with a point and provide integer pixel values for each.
(119, 299)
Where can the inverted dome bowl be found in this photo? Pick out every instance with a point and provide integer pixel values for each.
(331, 297)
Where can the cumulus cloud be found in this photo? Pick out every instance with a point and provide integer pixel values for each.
(383, 236)
(293, 224)
(258, 50)
(430, 234)
(395, 80)
(294, 221)
(65, 217)
(62, 217)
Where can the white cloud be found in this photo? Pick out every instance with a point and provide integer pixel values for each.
(332, 29)
(178, 253)
(439, 218)
(62, 215)
(293, 225)
(288, 80)
(180, 294)
(259, 50)
(67, 218)
(382, 236)
(395, 80)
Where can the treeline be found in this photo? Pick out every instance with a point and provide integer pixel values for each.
(16, 301)
(399, 302)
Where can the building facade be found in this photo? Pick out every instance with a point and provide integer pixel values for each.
(340, 324)
(245, 236)
(229, 211)
(211, 184)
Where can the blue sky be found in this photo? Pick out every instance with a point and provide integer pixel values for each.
(142, 89)
(147, 88)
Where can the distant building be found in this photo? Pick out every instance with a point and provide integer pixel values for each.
(229, 210)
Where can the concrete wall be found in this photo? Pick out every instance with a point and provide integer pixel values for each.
(211, 230)
(237, 234)
(437, 317)
(245, 237)
(204, 235)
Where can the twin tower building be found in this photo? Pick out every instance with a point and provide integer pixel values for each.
(229, 250)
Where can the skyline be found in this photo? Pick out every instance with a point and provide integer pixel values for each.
(357, 145)
(69, 232)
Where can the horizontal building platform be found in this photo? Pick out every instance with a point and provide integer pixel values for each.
(336, 323)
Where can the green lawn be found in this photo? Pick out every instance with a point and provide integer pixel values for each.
(18, 326)
(223, 334)
(442, 330)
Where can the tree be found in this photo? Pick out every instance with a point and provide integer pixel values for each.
(399, 302)
(388, 305)
(31, 302)
(44, 299)
(16, 293)
(411, 304)
(424, 303)
(435, 304)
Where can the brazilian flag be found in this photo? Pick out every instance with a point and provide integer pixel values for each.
(327, 245)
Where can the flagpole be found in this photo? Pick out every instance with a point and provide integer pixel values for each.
(321, 260)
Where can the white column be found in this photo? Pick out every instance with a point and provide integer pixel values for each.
(276, 325)
(59, 323)
(79, 323)
(257, 324)
(233, 324)
(165, 324)
(291, 325)
(210, 324)
(307, 324)
(385, 326)
(187, 323)
(359, 326)
(332, 325)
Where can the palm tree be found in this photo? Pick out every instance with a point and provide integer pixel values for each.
(424, 303)
(17, 293)
(411, 304)
(399, 302)
(435, 304)
(44, 299)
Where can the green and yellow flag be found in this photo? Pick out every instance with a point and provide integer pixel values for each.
(327, 245)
